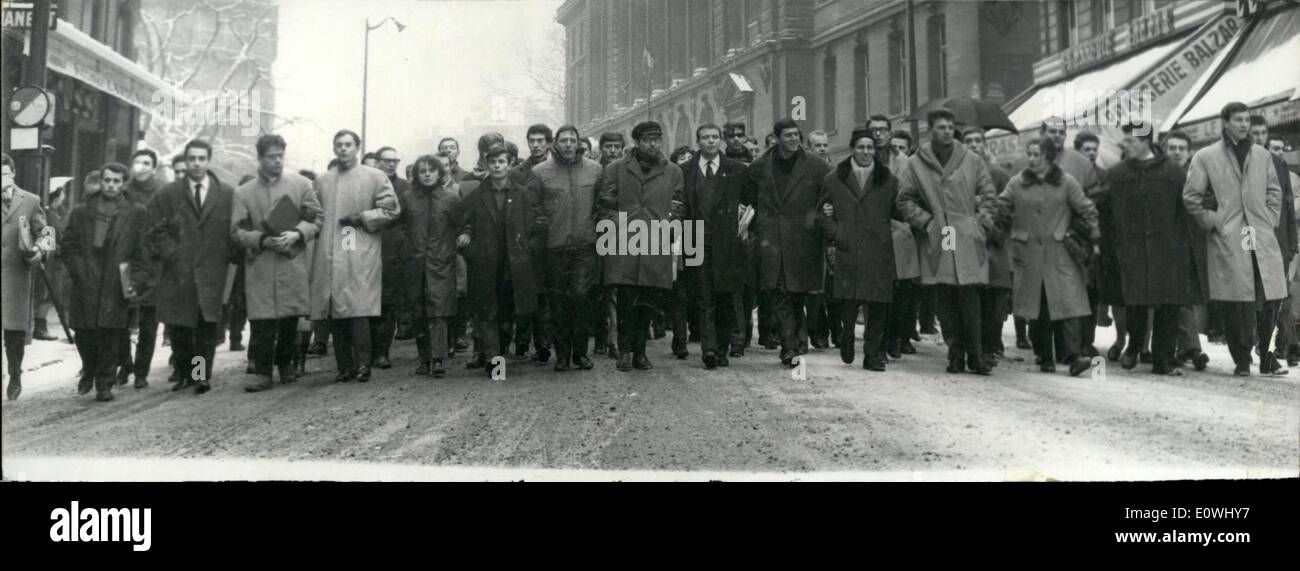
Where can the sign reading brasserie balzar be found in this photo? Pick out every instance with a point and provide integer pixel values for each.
(1167, 81)
(1141, 31)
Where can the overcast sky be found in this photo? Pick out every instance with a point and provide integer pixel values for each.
(433, 73)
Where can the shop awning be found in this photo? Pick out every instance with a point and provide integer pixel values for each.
(1260, 71)
(1053, 99)
(81, 57)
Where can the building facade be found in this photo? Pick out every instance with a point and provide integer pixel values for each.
(100, 93)
(1103, 61)
(829, 64)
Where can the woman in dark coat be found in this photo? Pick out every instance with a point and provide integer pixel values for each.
(862, 193)
(431, 216)
(1050, 285)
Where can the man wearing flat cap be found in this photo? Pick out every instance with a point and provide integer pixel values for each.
(642, 186)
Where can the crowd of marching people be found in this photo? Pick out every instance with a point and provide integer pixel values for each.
(1164, 245)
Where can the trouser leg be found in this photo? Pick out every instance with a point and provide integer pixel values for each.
(1042, 332)
(261, 344)
(1072, 333)
(420, 328)
(948, 312)
(1189, 339)
(344, 357)
(15, 348)
(146, 340)
(680, 309)
(205, 344)
(108, 350)
(1286, 335)
(815, 316)
(927, 306)
(1135, 317)
(873, 336)
(848, 318)
(1164, 336)
(382, 329)
(991, 318)
(1239, 321)
(86, 349)
(707, 304)
(787, 306)
(286, 337)
(903, 309)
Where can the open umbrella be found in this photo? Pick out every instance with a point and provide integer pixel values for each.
(969, 111)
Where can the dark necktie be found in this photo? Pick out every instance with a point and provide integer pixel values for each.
(198, 198)
(708, 171)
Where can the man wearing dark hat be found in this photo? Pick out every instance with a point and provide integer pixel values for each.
(786, 186)
(641, 187)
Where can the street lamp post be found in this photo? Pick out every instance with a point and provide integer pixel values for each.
(365, 72)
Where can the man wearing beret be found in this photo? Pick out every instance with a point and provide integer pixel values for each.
(642, 186)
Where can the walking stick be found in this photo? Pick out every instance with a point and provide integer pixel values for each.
(54, 299)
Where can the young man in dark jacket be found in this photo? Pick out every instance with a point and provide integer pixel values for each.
(105, 249)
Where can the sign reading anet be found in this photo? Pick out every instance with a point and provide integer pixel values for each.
(18, 15)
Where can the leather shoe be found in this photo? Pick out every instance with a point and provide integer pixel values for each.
(582, 363)
(1115, 352)
(1080, 365)
(1200, 361)
(722, 360)
(561, 363)
(846, 353)
(737, 352)
(317, 349)
(710, 359)
(542, 355)
(85, 385)
(141, 382)
(363, 374)
(477, 361)
(819, 342)
(438, 371)
(906, 348)
(182, 384)
(640, 361)
(382, 362)
(873, 364)
(1047, 367)
(955, 366)
(1242, 370)
(103, 389)
(787, 357)
(344, 377)
(15, 387)
(1023, 343)
(1129, 360)
(423, 369)
(287, 374)
(235, 345)
(895, 349)
(624, 362)
(201, 387)
(123, 375)
(263, 383)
